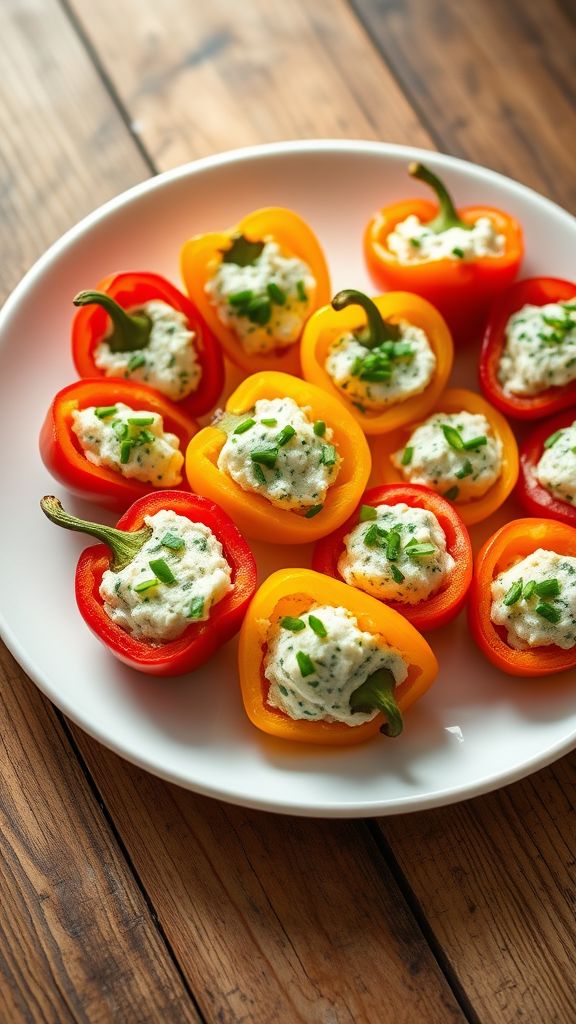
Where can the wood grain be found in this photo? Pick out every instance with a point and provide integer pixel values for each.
(492, 80)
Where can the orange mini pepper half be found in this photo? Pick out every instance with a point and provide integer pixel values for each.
(253, 513)
(457, 400)
(329, 323)
(292, 592)
(462, 289)
(201, 256)
(507, 546)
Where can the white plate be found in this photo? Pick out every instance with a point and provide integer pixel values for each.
(475, 730)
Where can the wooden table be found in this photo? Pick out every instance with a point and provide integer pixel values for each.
(122, 898)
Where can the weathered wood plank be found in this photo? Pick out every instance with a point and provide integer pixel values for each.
(492, 80)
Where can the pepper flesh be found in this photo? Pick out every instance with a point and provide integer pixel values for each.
(293, 591)
(253, 513)
(535, 498)
(442, 606)
(456, 400)
(200, 257)
(62, 452)
(534, 291)
(132, 291)
(462, 290)
(327, 324)
(508, 545)
(200, 640)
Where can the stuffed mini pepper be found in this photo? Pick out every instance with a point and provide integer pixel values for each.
(322, 663)
(388, 359)
(287, 461)
(166, 587)
(141, 328)
(523, 598)
(547, 481)
(407, 547)
(256, 285)
(457, 259)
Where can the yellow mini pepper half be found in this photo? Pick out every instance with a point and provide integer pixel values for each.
(292, 592)
(253, 513)
(202, 254)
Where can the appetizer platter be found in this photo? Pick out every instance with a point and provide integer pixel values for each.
(339, 425)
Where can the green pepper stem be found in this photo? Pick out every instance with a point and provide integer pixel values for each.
(447, 216)
(378, 692)
(377, 330)
(123, 544)
(130, 331)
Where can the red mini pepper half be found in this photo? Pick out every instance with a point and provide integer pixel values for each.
(439, 608)
(62, 452)
(536, 499)
(199, 640)
(534, 291)
(131, 291)
(461, 289)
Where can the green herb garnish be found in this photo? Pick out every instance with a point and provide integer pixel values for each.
(514, 594)
(407, 456)
(305, 664)
(103, 411)
(244, 426)
(162, 570)
(547, 611)
(170, 540)
(292, 623)
(318, 626)
(367, 512)
(313, 511)
(319, 428)
(141, 588)
(196, 608)
(242, 252)
(265, 457)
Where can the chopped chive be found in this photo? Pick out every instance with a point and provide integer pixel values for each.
(270, 422)
(319, 428)
(136, 362)
(144, 437)
(452, 493)
(514, 594)
(547, 588)
(125, 449)
(367, 512)
(313, 511)
(328, 456)
(170, 540)
(415, 242)
(466, 470)
(401, 348)
(140, 421)
(301, 291)
(275, 293)
(162, 570)
(259, 311)
(393, 546)
(375, 536)
(397, 576)
(475, 442)
(244, 426)
(258, 473)
(553, 438)
(140, 588)
(453, 437)
(528, 590)
(240, 298)
(120, 429)
(305, 664)
(265, 456)
(196, 608)
(407, 456)
(285, 435)
(317, 625)
(416, 550)
(292, 623)
(457, 251)
(547, 611)
(103, 411)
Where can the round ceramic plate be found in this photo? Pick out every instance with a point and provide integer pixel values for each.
(474, 731)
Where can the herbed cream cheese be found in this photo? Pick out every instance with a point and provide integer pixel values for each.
(266, 302)
(455, 454)
(408, 569)
(312, 677)
(362, 373)
(556, 469)
(161, 611)
(539, 349)
(536, 601)
(169, 361)
(131, 442)
(411, 241)
(278, 452)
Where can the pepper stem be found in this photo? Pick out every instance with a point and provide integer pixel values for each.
(447, 216)
(378, 692)
(123, 544)
(131, 331)
(377, 330)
